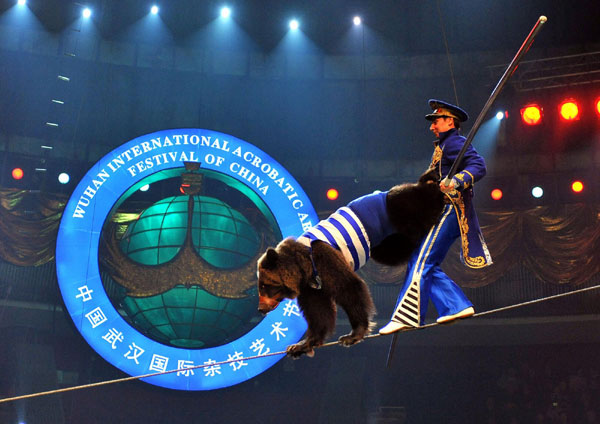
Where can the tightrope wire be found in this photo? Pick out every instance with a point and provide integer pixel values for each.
(189, 368)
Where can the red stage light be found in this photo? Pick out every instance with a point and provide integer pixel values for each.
(183, 188)
(531, 114)
(17, 173)
(569, 110)
(496, 194)
(577, 186)
(332, 194)
(598, 106)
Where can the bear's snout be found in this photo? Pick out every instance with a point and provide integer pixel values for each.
(266, 304)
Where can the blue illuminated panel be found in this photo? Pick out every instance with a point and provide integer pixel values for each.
(77, 257)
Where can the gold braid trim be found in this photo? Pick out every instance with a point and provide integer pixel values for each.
(472, 179)
(436, 157)
(459, 207)
(477, 262)
(461, 177)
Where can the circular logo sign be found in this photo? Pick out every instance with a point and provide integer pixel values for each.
(93, 313)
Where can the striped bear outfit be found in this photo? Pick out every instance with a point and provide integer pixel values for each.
(353, 229)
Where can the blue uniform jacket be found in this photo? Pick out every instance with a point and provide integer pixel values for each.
(472, 168)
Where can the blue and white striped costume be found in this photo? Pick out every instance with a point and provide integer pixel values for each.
(353, 229)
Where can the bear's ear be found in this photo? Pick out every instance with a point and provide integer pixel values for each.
(430, 176)
(270, 259)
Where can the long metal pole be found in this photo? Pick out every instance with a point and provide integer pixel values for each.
(507, 74)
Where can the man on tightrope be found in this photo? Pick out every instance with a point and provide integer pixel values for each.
(424, 277)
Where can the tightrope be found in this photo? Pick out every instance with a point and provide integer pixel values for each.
(332, 343)
(480, 314)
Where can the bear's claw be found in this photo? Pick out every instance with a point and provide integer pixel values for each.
(299, 349)
(350, 339)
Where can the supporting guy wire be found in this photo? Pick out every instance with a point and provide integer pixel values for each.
(138, 377)
(447, 51)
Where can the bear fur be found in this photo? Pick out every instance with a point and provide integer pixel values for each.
(286, 271)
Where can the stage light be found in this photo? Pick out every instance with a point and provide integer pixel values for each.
(357, 21)
(500, 116)
(154, 9)
(225, 12)
(294, 24)
(87, 12)
(577, 186)
(17, 173)
(145, 187)
(332, 194)
(537, 192)
(22, 2)
(569, 110)
(531, 114)
(496, 194)
(598, 106)
(63, 178)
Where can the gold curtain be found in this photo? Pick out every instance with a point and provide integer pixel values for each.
(557, 244)
(28, 226)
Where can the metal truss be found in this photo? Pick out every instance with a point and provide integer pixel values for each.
(561, 71)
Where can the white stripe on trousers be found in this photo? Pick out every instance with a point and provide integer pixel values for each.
(402, 313)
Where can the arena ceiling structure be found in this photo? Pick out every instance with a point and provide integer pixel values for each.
(75, 87)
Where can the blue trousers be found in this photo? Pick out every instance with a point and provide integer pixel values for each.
(424, 269)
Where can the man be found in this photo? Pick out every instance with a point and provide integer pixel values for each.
(424, 277)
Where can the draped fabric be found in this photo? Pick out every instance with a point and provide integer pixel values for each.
(559, 244)
(29, 223)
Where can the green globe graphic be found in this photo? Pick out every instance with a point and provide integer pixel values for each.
(191, 317)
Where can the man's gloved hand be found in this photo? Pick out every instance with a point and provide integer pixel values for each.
(448, 186)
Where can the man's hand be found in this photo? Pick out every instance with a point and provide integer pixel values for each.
(448, 186)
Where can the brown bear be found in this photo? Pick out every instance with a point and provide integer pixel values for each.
(318, 268)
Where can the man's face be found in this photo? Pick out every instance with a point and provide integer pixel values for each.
(441, 124)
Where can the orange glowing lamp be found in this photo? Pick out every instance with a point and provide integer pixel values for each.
(496, 194)
(577, 186)
(332, 194)
(531, 114)
(598, 106)
(569, 110)
(17, 173)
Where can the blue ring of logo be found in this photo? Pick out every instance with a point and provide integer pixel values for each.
(77, 258)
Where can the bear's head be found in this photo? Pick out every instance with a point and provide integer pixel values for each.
(279, 274)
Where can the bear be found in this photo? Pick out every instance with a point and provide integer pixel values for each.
(319, 267)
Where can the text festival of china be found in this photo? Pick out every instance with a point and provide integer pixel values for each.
(264, 169)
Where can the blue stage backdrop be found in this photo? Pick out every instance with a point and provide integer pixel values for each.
(122, 172)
